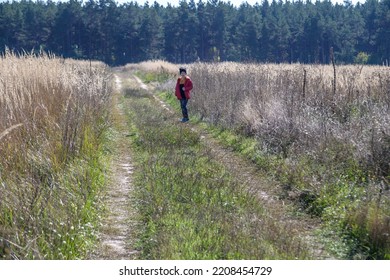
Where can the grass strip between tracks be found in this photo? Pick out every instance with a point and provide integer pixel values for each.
(190, 206)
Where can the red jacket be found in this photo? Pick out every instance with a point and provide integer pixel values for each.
(187, 86)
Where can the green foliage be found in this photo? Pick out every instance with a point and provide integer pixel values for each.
(153, 76)
(206, 31)
(368, 227)
(337, 191)
(61, 213)
(362, 58)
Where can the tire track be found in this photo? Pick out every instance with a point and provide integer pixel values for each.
(304, 227)
(117, 232)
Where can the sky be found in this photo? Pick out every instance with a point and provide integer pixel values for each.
(234, 2)
(176, 2)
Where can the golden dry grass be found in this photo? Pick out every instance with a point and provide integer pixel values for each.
(325, 136)
(295, 101)
(52, 112)
(154, 66)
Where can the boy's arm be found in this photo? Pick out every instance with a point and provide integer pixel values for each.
(189, 85)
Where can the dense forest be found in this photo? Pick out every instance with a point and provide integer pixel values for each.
(278, 31)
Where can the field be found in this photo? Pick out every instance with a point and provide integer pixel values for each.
(323, 132)
(53, 118)
(314, 140)
(324, 135)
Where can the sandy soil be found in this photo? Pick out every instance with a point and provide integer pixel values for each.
(118, 230)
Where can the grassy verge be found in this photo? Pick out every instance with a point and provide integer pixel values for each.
(52, 164)
(61, 213)
(346, 196)
(192, 208)
(159, 76)
(343, 196)
(333, 185)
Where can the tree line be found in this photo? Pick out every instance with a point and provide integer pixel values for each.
(278, 31)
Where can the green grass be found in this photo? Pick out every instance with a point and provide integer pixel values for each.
(52, 165)
(191, 207)
(61, 203)
(148, 77)
(334, 187)
(343, 196)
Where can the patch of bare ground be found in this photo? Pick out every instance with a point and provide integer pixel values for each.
(299, 224)
(117, 236)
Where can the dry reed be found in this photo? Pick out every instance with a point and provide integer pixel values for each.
(51, 111)
(154, 66)
(293, 106)
(334, 118)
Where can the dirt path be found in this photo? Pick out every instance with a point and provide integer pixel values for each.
(117, 235)
(257, 184)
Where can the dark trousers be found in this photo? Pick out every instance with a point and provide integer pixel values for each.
(183, 104)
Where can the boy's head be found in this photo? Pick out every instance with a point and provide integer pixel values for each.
(183, 71)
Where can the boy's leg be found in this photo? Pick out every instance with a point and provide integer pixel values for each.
(183, 104)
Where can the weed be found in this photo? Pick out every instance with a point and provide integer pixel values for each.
(325, 142)
(51, 165)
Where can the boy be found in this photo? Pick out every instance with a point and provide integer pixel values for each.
(183, 92)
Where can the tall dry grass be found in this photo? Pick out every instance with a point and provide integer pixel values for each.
(52, 113)
(157, 73)
(293, 107)
(154, 66)
(331, 133)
